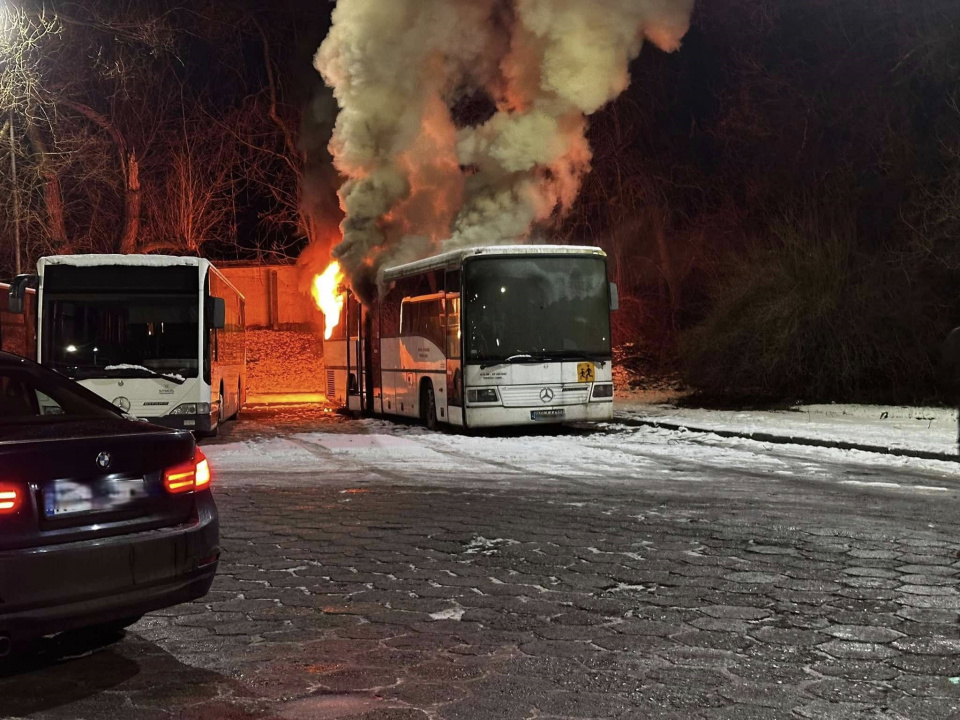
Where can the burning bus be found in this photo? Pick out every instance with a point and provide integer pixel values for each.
(480, 338)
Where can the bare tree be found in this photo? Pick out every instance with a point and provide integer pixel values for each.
(195, 203)
(23, 40)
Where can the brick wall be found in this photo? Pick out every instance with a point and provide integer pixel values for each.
(274, 298)
(17, 334)
(284, 346)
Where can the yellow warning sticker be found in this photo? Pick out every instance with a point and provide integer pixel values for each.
(586, 373)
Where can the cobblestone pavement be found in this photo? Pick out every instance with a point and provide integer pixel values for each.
(741, 595)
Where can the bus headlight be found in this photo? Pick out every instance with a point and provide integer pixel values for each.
(603, 391)
(191, 409)
(482, 395)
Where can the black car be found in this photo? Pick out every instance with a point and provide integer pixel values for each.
(102, 517)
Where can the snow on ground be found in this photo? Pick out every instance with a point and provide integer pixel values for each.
(919, 429)
(379, 452)
(284, 362)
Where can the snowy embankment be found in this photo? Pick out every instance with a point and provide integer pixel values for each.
(360, 453)
(915, 429)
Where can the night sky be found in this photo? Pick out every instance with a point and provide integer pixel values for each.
(781, 193)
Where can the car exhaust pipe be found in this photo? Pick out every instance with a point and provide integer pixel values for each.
(6, 645)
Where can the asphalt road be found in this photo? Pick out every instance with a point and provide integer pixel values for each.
(378, 572)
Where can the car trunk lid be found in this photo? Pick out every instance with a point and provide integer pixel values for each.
(93, 481)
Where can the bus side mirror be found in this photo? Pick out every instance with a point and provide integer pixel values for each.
(614, 297)
(218, 313)
(18, 291)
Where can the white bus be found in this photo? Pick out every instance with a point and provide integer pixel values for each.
(481, 338)
(162, 338)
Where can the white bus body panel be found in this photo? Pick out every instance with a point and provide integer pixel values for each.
(490, 417)
(550, 373)
(525, 389)
(149, 398)
(407, 361)
(335, 364)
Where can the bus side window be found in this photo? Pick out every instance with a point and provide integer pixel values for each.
(431, 321)
(453, 282)
(453, 328)
(409, 318)
(390, 314)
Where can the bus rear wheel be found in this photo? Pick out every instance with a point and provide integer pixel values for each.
(428, 406)
(236, 412)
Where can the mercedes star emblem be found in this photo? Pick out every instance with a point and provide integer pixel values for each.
(122, 403)
(104, 460)
(546, 395)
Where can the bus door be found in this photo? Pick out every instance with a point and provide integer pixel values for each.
(373, 360)
(356, 348)
(454, 343)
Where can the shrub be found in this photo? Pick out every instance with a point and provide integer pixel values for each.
(810, 315)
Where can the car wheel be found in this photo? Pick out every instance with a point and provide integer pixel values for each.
(428, 406)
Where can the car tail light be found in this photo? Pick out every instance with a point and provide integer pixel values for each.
(203, 470)
(11, 498)
(189, 476)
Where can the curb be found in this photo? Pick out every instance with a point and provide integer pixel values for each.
(789, 440)
(280, 399)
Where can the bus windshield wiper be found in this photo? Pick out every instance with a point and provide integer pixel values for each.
(521, 358)
(572, 356)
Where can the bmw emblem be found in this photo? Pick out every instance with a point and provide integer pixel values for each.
(104, 460)
(122, 403)
(546, 395)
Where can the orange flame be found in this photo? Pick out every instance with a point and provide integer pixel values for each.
(328, 295)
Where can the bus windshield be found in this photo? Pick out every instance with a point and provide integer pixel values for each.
(123, 335)
(536, 308)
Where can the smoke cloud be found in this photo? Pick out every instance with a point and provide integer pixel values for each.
(418, 180)
(320, 212)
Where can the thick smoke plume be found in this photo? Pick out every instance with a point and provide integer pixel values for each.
(418, 178)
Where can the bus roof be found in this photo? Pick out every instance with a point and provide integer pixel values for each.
(456, 257)
(156, 261)
(128, 260)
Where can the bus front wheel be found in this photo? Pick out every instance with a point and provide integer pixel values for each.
(216, 431)
(428, 406)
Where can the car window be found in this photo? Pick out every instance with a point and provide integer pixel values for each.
(17, 399)
(41, 396)
(48, 406)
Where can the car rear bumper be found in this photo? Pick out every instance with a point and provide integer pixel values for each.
(64, 587)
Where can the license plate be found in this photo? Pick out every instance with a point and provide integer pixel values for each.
(547, 414)
(65, 497)
(586, 372)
